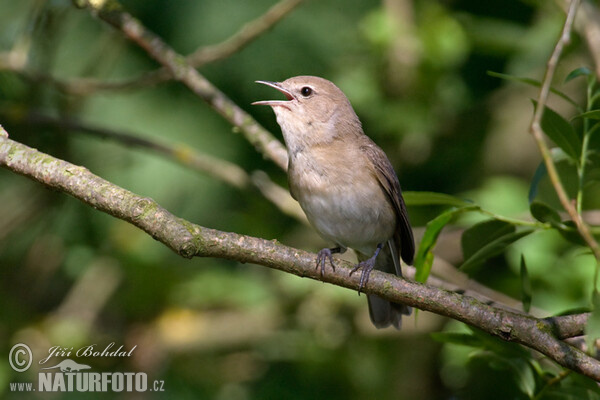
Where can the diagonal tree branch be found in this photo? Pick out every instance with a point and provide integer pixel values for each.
(15, 60)
(448, 276)
(538, 134)
(220, 169)
(112, 12)
(208, 54)
(189, 240)
(247, 34)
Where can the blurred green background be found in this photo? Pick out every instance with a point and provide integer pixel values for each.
(415, 72)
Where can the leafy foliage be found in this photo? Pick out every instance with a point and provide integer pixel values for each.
(519, 373)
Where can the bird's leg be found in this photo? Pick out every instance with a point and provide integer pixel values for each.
(326, 254)
(367, 267)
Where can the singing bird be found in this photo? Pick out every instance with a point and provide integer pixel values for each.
(345, 184)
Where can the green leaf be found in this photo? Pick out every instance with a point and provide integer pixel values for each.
(525, 286)
(524, 376)
(558, 156)
(479, 235)
(493, 249)
(570, 233)
(432, 198)
(540, 172)
(594, 114)
(532, 82)
(581, 71)
(544, 213)
(561, 132)
(568, 230)
(424, 257)
(580, 387)
(592, 328)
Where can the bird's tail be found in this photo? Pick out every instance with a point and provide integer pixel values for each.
(384, 313)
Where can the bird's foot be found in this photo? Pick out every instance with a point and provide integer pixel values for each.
(326, 254)
(367, 266)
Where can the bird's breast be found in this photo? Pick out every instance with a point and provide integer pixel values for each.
(341, 198)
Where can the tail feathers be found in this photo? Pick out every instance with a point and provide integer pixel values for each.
(384, 313)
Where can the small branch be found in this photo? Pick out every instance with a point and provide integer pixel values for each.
(112, 13)
(246, 35)
(214, 167)
(191, 240)
(538, 134)
(222, 170)
(568, 326)
(205, 55)
(202, 56)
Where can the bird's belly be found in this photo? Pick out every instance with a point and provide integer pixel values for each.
(354, 217)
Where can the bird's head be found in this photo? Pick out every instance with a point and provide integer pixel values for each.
(314, 109)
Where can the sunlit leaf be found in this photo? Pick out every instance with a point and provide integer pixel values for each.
(432, 198)
(525, 286)
(424, 257)
(493, 249)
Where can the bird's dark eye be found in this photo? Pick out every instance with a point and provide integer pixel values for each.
(306, 91)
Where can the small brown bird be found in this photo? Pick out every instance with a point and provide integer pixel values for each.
(344, 183)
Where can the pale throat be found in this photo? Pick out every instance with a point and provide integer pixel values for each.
(302, 131)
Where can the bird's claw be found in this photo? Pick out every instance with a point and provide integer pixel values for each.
(322, 256)
(367, 266)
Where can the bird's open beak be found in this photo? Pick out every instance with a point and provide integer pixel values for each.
(277, 86)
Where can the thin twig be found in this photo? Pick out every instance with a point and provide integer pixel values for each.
(538, 134)
(189, 240)
(222, 170)
(112, 13)
(202, 56)
(247, 34)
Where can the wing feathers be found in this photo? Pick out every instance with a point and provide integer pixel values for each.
(389, 183)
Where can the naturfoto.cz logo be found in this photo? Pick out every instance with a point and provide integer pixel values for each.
(71, 376)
